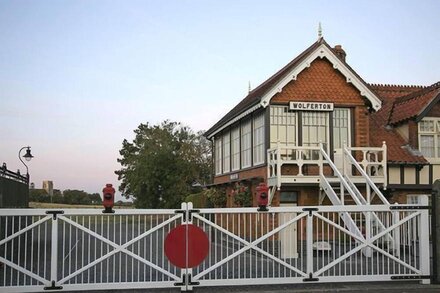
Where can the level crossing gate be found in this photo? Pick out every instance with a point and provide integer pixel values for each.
(84, 249)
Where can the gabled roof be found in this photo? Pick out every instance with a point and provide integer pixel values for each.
(398, 150)
(388, 94)
(260, 96)
(415, 105)
(254, 96)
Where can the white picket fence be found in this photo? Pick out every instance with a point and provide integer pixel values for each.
(84, 249)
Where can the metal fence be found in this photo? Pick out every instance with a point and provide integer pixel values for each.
(14, 189)
(76, 249)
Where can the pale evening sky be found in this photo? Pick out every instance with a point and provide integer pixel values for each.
(77, 77)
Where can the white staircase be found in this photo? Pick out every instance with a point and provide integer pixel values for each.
(342, 187)
(338, 198)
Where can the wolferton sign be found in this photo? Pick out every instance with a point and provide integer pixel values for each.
(310, 106)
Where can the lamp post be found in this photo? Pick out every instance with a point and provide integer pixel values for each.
(28, 156)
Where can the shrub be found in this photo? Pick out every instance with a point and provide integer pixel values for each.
(216, 197)
(242, 195)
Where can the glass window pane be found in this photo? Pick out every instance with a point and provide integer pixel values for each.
(288, 196)
(427, 145)
(315, 128)
(226, 153)
(246, 129)
(283, 126)
(427, 126)
(235, 137)
(218, 156)
(340, 127)
(258, 143)
(438, 146)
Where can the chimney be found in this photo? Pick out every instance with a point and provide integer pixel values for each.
(340, 52)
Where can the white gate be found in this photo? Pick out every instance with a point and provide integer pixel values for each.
(75, 249)
(85, 249)
(246, 246)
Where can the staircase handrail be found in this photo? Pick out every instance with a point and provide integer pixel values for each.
(346, 217)
(339, 175)
(375, 216)
(356, 190)
(366, 177)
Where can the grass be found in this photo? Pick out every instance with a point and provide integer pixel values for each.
(48, 205)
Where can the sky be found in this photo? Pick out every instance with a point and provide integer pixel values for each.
(77, 77)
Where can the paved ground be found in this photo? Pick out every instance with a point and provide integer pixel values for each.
(377, 287)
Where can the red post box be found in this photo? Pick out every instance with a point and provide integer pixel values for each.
(262, 197)
(108, 201)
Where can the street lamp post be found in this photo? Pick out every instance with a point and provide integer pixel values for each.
(28, 156)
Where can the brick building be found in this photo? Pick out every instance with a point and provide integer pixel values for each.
(310, 120)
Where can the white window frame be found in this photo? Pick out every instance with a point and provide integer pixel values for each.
(218, 155)
(276, 126)
(235, 148)
(258, 138)
(435, 133)
(246, 143)
(226, 151)
(326, 143)
(348, 142)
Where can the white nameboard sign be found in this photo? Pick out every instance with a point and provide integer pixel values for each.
(310, 106)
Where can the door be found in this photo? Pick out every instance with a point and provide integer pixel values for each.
(341, 134)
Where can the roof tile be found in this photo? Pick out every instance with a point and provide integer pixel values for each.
(412, 105)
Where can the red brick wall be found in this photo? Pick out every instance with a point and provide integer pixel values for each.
(321, 83)
(413, 134)
(361, 129)
(246, 174)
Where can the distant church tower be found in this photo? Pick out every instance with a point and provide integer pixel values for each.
(48, 186)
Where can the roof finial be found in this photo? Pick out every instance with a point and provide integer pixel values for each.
(249, 89)
(319, 31)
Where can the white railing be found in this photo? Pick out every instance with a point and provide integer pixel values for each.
(298, 156)
(365, 171)
(373, 161)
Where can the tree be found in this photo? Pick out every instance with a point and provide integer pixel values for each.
(95, 198)
(39, 195)
(162, 164)
(78, 197)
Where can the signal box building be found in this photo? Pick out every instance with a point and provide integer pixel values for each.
(316, 121)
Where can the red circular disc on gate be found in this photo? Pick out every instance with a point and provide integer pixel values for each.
(175, 246)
